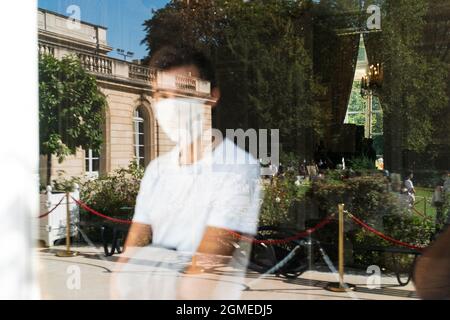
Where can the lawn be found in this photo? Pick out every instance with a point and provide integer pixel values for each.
(423, 201)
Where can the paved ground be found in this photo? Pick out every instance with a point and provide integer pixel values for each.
(58, 280)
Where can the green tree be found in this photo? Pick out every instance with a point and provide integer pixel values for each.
(415, 82)
(263, 64)
(71, 109)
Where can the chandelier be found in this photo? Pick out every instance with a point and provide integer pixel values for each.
(372, 80)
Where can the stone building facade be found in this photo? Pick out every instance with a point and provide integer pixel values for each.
(131, 131)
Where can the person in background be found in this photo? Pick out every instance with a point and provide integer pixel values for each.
(446, 194)
(312, 170)
(379, 164)
(280, 170)
(321, 164)
(446, 182)
(438, 201)
(405, 199)
(410, 187)
(302, 169)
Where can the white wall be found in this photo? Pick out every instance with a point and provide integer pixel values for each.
(18, 147)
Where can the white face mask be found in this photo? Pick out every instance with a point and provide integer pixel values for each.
(180, 119)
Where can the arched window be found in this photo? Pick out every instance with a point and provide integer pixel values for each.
(140, 137)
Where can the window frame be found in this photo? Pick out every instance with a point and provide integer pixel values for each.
(139, 118)
(89, 166)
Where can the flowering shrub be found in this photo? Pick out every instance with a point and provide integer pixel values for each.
(365, 196)
(114, 194)
(408, 228)
(279, 198)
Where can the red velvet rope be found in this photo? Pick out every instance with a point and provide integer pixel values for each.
(275, 241)
(285, 240)
(54, 208)
(87, 208)
(383, 236)
(235, 234)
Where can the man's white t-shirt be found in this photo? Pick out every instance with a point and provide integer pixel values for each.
(180, 201)
(409, 185)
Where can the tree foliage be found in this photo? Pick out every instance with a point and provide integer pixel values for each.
(415, 82)
(271, 77)
(259, 48)
(71, 108)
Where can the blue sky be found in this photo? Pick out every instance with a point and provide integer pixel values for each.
(123, 18)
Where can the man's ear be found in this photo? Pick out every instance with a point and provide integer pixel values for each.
(215, 94)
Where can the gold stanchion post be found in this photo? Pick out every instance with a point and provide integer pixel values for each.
(340, 286)
(68, 252)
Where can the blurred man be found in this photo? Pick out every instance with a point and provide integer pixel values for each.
(409, 185)
(190, 202)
